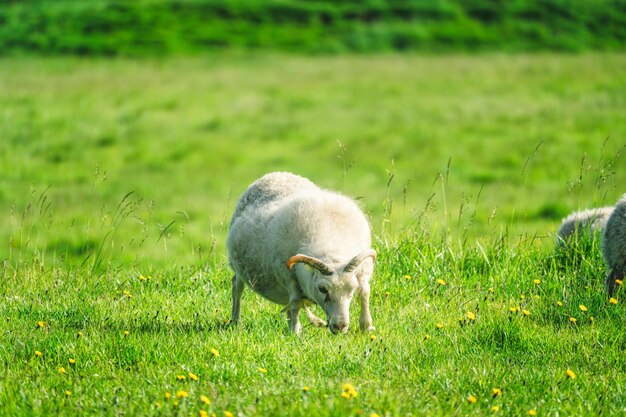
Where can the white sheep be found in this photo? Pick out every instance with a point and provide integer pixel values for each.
(591, 222)
(296, 245)
(614, 245)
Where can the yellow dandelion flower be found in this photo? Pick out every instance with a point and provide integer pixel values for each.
(262, 370)
(373, 337)
(407, 277)
(526, 312)
(536, 281)
(426, 336)
(182, 394)
(522, 297)
(168, 395)
(374, 415)
(126, 333)
(441, 282)
(68, 393)
(572, 320)
(439, 325)
(387, 293)
(472, 399)
(559, 303)
(203, 413)
(470, 315)
(613, 300)
(349, 391)
(495, 408)
(41, 324)
(490, 289)
(180, 377)
(496, 391)
(38, 353)
(306, 388)
(127, 294)
(532, 412)
(582, 308)
(228, 414)
(72, 361)
(142, 278)
(204, 399)
(619, 281)
(62, 370)
(215, 352)
(570, 374)
(193, 376)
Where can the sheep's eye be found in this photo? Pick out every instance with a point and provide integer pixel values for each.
(323, 289)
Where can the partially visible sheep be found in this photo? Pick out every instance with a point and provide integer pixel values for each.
(614, 245)
(591, 222)
(296, 245)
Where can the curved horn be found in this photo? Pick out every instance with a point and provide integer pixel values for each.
(311, 261)
(357, 260)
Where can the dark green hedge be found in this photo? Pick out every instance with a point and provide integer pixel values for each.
(152, 27)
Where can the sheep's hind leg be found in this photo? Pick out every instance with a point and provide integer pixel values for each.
(615, 274)
(237, 290)
(316, 321)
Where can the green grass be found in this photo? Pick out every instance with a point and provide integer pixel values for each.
(113, 170)
(176, 317)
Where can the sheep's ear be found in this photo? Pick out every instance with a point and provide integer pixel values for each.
(310, 261)
(358, 260)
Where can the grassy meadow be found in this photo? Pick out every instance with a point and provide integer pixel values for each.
(118, 177)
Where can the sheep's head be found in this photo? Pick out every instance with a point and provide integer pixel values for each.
(332, 289)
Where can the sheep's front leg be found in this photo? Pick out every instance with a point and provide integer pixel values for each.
(365, 320)
(316, 321)
(295, 304)
(294, 315)
(237, 290)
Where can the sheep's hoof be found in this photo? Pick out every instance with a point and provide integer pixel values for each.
(296, 329)
(368, 328)
(317, 322)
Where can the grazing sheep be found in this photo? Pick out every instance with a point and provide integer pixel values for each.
(614, 245)
(296, 245)
(591, 221)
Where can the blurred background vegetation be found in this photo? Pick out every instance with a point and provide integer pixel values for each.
(144, 159)
(156, 27)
